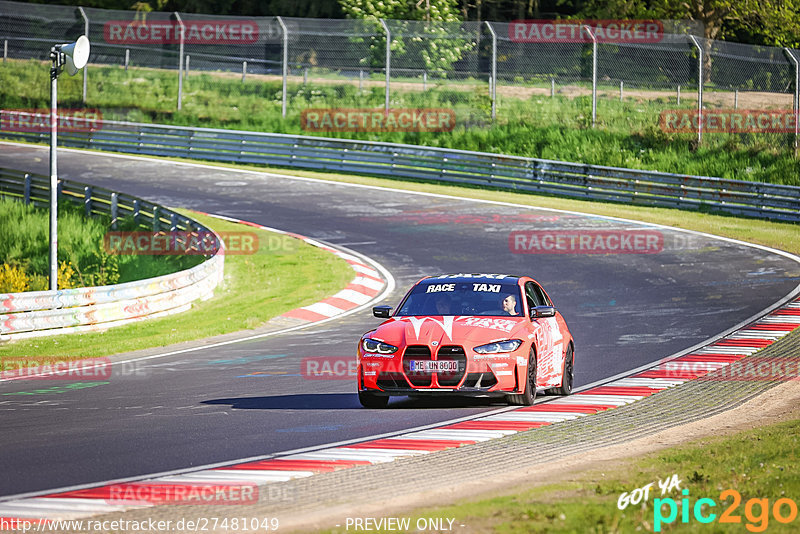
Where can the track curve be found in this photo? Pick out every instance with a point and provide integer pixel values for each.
(244, 400)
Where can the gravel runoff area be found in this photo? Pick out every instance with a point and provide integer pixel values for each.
(710, 405)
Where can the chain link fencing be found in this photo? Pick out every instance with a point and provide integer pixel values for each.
(273, 73)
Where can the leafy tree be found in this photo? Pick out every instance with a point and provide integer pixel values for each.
(769, 22)
(431, 37)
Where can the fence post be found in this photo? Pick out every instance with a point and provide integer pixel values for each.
(388, 62)
(594, 74)
(114, 210)
(621, 84)
(186, 66)
(735, 99)
(136, 210)
(180, 60)
(699, 89)
(796, 99)
(27, 189)
(87, 200)
(86, 33)
(552, 87)
(5, 50)
(244, 70)
(360, 79)
(156, 216)
(493, 76)
(679, 94)
(285, 61)
(127, 58)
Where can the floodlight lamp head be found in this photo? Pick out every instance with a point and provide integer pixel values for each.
(77, 54)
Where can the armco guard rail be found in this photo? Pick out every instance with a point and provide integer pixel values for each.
(595, 182)
(39, 313)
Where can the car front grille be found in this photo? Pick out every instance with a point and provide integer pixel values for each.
(418, 353)
(452, 352)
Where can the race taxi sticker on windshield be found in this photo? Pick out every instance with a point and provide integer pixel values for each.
(491, 288)
(436, 288)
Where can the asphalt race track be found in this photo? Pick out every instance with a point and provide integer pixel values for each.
(249, 399)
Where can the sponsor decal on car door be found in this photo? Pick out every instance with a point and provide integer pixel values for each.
(551, 353)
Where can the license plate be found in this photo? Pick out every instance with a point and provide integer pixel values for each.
(428, 366)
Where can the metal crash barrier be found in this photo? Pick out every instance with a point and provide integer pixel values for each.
(41, 313)
(591, 182)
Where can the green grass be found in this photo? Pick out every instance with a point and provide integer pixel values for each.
(627, 134)
(25, 243)
(256, 287)
(759, 464)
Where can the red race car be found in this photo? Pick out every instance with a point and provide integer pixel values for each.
(467, 334)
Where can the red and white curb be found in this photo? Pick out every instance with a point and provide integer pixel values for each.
(366, 286)
(130, 495)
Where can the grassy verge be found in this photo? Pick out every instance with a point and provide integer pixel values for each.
(628, 133)
(257, 287)
(758, 464)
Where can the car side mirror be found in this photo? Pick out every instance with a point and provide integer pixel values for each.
(382, 311)
(540, 312)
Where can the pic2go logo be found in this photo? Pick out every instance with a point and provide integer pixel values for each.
(756, 511)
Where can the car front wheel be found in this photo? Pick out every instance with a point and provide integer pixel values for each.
(527, 397)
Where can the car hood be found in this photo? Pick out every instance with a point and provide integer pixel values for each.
(469, 331)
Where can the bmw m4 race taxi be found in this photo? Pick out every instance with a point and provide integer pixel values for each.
(470, 335)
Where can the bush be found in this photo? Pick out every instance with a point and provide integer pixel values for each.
(13, 279)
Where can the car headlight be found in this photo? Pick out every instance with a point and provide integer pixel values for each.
(509, 345)
(372, 345)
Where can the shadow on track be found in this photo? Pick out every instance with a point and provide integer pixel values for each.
(344, 401)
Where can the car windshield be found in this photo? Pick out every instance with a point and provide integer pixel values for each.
(474, 297)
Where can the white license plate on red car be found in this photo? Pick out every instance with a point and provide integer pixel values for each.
(429, 366)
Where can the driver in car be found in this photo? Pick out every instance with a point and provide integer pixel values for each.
(510, 305)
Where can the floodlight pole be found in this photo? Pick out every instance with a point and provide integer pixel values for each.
(85, 32)
(56, 56)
